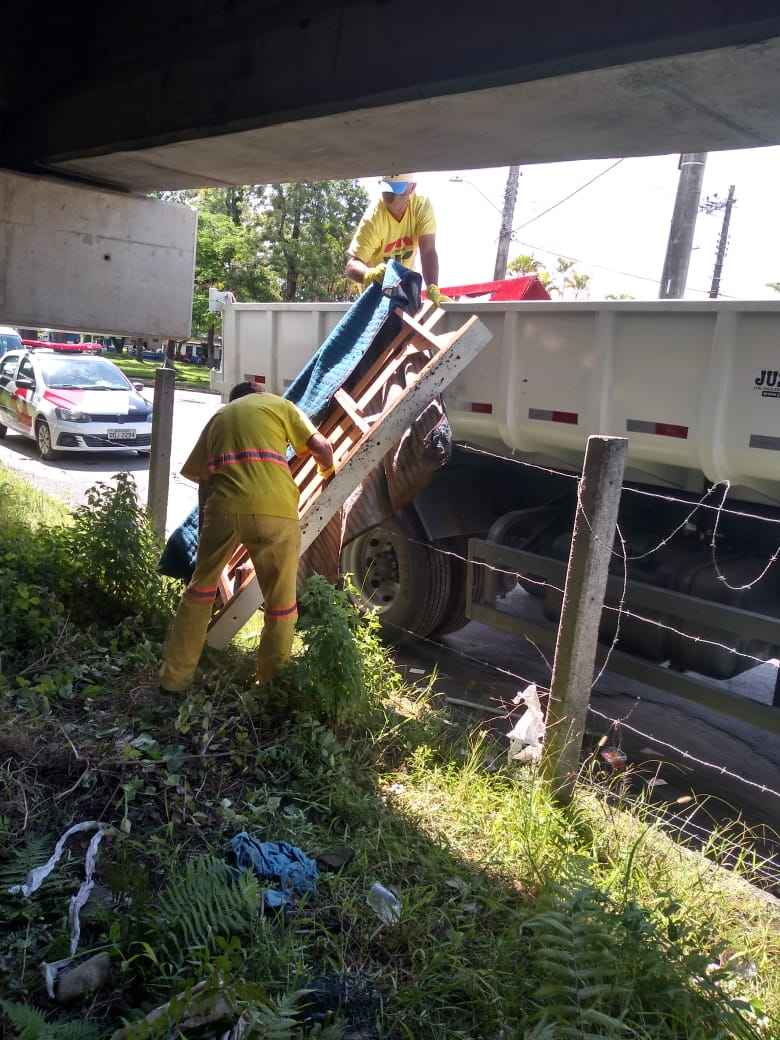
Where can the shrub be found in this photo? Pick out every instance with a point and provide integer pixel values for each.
(114, 555)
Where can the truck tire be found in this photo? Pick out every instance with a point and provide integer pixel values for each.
(407, 582)
(453, 617)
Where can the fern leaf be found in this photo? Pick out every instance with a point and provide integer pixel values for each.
(35, 851)
(28, 1022)
(207, 901)
(75, 1030)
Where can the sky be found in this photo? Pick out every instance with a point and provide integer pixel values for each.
(616, 228)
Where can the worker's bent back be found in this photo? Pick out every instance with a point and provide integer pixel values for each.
(242, 454)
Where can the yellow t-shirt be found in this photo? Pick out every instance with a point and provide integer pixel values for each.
(242, 454)
(380, 236)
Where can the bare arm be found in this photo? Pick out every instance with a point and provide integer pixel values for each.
(321, 449)
(429, 259)
(355, 269)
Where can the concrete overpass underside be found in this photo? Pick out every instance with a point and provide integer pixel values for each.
(213, 92)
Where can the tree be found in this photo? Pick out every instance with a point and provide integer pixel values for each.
(524, 264)
(577, 282)
(229, 256)
(773, 285)
(307, 229)
(565, 278)
(287, 242)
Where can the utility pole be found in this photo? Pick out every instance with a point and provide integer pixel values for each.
(507, 217)
(686, 208)
(723, 241)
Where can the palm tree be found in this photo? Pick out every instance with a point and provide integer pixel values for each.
(524, 264)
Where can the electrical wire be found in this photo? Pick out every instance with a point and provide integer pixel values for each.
(609, 270)
(566, 198)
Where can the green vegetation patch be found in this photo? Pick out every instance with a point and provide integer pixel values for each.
(518, 920)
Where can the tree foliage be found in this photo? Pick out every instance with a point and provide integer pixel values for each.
(308, 227)
(284, 242)
(232, 256)
(564, 280)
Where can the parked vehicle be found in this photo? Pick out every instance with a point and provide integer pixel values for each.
(9, 339)
(62, 346)
(696, 389)
(72, 402)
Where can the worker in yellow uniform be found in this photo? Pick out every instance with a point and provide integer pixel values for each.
(240, 465)
(394, 228)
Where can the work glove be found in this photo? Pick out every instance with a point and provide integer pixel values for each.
(375, 274)
(437, 296)
(325, 473)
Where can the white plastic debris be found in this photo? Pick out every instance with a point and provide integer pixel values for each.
(38, 875)
(527, 735)
(385, 904)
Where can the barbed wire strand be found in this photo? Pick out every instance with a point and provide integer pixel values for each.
(723, 770)
(686, 502)
(520, 462)
(681, 824)
(620, 605)
(520, 577)
(701, 504)
(713, 546)
(685, 754)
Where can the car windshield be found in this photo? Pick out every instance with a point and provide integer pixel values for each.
(9, 341)
(64, 373)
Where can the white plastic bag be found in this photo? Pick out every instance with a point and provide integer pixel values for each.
(527, 735)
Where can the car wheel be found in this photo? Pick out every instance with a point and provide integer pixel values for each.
(43, 440)
(3, 431)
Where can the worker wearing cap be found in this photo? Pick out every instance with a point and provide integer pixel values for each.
(251, 499)
(394, 228)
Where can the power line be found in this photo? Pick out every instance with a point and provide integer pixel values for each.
(566, 198)
(609, 270)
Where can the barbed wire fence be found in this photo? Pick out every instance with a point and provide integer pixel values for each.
(673, 819)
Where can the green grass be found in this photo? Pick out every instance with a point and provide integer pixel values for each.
(21, 503)
(190, 377)
(520, 921)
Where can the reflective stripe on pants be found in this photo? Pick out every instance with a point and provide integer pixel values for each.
(273, 544)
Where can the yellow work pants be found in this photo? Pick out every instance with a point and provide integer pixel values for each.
(273, 544)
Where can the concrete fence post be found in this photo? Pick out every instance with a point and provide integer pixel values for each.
(160, 459)
(583, 598)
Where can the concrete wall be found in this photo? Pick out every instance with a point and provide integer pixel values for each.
(77, 258)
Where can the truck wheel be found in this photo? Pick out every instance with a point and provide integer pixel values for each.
(453, 617)
(406, 582)
(43, 440)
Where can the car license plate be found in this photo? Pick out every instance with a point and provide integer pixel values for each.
(121, 435)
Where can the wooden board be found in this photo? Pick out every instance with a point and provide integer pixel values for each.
(359, 443)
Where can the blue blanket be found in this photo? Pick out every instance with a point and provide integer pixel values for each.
(314, 386)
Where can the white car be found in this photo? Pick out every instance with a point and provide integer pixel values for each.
(72, 402)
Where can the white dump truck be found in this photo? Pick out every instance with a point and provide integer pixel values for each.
(696, 389)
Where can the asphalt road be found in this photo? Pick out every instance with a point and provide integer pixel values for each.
(71, 475)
